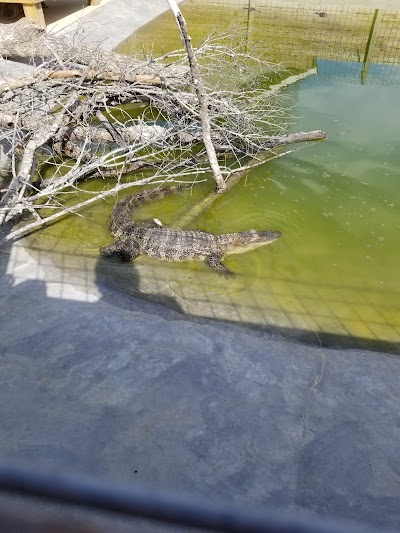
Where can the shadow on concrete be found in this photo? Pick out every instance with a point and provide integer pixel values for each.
(10, 13)
(113, 277)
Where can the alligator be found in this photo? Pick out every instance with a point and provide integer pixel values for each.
(168, 244)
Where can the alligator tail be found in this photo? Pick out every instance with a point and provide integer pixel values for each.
(121, 216)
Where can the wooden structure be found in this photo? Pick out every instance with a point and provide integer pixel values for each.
(33, 8)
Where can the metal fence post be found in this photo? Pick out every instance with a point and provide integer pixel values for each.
(370, 48)
(250, 19)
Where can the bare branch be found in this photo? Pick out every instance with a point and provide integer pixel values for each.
(197, 81)
(25, 171)
(86, 114)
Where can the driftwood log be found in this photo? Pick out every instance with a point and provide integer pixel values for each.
(28, 40)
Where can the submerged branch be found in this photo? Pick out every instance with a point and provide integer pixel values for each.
(233, 176)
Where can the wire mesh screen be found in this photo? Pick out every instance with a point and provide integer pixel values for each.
(386, 48)
(299, 34)
(302, 33)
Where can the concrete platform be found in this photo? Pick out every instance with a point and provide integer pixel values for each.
(111, 23)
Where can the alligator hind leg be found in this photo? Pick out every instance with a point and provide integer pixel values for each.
(214, 260)
(124, 249)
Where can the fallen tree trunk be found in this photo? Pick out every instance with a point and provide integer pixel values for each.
(145, 79)
(25, 39)
(155, 134)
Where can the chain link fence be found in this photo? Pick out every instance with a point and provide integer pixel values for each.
(356, 43)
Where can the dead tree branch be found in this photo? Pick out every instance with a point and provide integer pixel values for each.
(22, 179)
(88, 114)
(199, 88)
(26, 39)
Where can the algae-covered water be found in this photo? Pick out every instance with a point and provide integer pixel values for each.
(335, 270)
(334, 274)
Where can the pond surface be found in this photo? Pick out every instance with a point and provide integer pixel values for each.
(333, 277)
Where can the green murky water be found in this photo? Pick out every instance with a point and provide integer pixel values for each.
(334, 273)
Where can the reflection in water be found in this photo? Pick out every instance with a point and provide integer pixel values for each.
(334, 273)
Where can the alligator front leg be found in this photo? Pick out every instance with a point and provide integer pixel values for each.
(214, 260)
(125, 249)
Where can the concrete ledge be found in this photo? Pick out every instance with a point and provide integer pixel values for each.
(113, 22)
